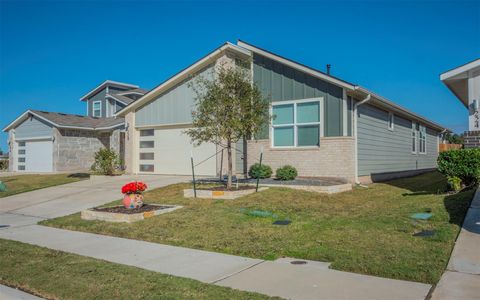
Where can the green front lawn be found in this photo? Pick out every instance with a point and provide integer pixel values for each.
(59, 275)
(366, 231)
(24, 183)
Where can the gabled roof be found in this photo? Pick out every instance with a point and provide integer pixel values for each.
(108, 83)
(123, 99)
(61, 120)
(456, 79)
(184, 74)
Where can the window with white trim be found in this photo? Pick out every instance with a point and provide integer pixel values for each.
(422, 140)
(414, 137)
(97, 109)
(296, 124)
(391, 121)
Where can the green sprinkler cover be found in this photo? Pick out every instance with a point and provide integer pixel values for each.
(3, 187)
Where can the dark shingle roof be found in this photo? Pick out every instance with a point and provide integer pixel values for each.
(69, 120)
(122, 98)
(139, 90)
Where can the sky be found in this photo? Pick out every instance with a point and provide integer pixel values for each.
(52, 53)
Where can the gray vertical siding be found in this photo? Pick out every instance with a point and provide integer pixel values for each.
(33, 127)
(381, 150)
(100, 96)
(172, 107)
(279, 82)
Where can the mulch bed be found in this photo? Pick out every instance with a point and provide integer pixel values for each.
(129, 211)
(224, 188)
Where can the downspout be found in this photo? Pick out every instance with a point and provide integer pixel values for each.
(355, 107)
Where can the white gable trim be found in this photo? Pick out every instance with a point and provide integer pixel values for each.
(106, 83)
(182, 75)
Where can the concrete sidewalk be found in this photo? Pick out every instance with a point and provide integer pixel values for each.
(8, 293)
(313, 280)
(461, 280)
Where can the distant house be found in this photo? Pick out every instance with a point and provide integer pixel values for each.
(325, 126)
(464, 82)
(41, 141)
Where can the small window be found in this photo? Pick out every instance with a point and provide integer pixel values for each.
(147, 132)
(146, 144)
(146, 168)
(21, 144)
(21, 159)
(97, 109)
(21, 151)
(146, 156)
(391, 121)
(414, 138)
(21, 168)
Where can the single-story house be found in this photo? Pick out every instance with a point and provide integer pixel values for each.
(41, 141)
(464, 82)
(325, 126)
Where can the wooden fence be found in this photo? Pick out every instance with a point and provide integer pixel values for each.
(446, 147)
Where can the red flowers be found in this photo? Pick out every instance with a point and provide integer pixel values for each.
(134, 187)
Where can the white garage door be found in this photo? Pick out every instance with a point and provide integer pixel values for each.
(38, 156)
(171, 153)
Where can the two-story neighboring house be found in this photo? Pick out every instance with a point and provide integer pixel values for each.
(464, 82)
(41, 141)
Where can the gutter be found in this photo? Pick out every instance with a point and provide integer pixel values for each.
(355, 122)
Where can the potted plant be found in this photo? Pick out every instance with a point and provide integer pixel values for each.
(133, 194)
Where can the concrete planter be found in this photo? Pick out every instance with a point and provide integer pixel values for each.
(188, 193)
(91, 214)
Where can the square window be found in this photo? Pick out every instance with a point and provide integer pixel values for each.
(282, 114)
(147, 132)
(21, 159)
(147, 156)
(21, 151)
(308, 135)
(21, 168)
(21, 144)
(283, 136)
(146, 168)
(146, 144)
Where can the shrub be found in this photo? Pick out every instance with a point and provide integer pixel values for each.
(286, 173)
(454, 183)
(260, 171)
(463, 164)
(105, 161)
(4, 165)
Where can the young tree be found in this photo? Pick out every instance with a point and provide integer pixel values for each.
(228, 107)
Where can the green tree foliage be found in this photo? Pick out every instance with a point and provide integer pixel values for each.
(454, 138)
(106, 161)
(227, 108)
(286, 173)
(260, 171)
(463, 164)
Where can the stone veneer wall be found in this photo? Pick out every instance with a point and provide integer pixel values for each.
(472, 139)
(334, 158)
(74, 149)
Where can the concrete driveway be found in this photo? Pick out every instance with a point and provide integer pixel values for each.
(31, 207)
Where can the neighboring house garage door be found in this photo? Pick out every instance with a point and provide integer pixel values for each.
(171, 150)
(38, 156)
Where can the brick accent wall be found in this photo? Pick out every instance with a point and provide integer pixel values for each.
(74, 150)
(472, 139)
(334, 158)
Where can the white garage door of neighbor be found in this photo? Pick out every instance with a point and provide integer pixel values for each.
(39, 156)
(172, 154)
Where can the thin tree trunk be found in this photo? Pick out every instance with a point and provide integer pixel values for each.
(230, 167)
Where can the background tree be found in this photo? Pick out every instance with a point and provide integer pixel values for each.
(228, 107)
(454, 138)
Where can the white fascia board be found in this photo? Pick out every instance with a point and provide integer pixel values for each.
(459, 70)
(181, 76)
(400, 110)
(108, 82)
(24, 116)
(116, 99)
(297, 66)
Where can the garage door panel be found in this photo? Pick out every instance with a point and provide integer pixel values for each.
(39, 156)
(172, 154)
